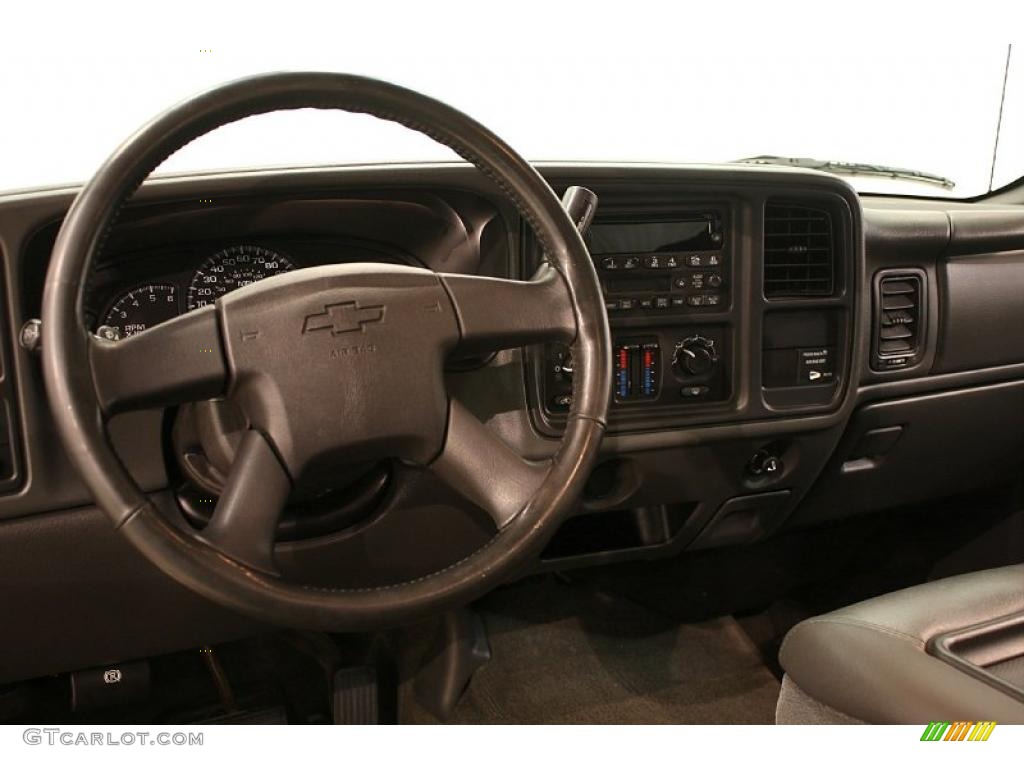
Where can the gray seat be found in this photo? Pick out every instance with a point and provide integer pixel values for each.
(888, 660)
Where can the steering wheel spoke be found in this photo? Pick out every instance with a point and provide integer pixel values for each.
(179, 361)
(483, 469)
(245, 519)
(501, 314)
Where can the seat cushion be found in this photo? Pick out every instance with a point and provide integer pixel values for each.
(870, 661)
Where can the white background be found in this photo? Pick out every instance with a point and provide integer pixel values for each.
(636, 81)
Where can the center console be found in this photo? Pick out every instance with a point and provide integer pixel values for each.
(732, 306)
(658, 271)
(726, 307)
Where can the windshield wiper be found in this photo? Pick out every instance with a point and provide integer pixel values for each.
(852, 169)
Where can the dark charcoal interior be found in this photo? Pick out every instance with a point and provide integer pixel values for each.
(817, 398)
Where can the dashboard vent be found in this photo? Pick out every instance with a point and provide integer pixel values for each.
(899, 323)
(799, 252)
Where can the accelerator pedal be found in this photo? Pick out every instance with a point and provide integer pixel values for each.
(355, 700)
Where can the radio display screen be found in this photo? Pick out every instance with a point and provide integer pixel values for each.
(650, 237)
(633, 283)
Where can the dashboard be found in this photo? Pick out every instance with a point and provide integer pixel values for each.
(786, 353)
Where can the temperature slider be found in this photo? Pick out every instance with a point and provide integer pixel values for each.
(636, 370)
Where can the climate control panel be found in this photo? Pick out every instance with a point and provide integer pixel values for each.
(662, 368)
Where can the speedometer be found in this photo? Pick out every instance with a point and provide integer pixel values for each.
(139, 309)
(232, 268)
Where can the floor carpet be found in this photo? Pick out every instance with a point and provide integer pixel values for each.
(565, 653)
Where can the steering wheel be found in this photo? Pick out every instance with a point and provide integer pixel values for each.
(317, 359)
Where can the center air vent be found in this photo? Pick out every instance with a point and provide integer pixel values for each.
(899, 321)
(799, 252)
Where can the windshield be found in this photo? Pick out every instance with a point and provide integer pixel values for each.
(916, 110)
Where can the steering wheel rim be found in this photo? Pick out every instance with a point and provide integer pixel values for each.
(86, 378)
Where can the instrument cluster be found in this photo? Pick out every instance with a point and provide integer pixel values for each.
(151, 303)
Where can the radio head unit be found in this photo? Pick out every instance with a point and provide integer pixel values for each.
(666, 264)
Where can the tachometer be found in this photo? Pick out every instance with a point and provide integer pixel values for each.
(139, 309)
(232, 268)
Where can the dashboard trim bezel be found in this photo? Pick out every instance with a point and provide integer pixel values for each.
(745, 195)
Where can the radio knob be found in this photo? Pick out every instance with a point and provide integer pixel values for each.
(695, 356)
(714, 281)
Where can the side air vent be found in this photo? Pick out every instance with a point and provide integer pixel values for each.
(799, 251)
(899, 322)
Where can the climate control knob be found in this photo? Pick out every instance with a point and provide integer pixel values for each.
(695, 356)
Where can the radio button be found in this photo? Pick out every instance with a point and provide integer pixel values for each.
(610, 263)
(661, 302)
(612, 305)
(695, 301)
(680, 282)
(671, 262)
(694, 260)
(627, 304)
(712, 300)
(652, 262)
(631, 262)
(713, 260)
(678, 301)
(646, 303)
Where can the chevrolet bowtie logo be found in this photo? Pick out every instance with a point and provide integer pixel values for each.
(342, 318)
